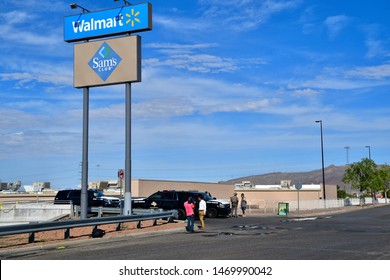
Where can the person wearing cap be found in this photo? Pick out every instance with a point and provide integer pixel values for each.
(234, 202)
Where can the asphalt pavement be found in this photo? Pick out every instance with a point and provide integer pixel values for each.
(361, 234)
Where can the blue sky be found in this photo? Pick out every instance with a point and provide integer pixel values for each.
(229, 88)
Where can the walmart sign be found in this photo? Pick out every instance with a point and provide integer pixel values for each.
(127, 19)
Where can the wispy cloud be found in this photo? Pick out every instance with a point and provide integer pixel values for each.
(245, 14)
(306, 92)
(378, 72)
(16, 27)
(239, 15)
(194, 59)
(335, 24)
(167, 97)
(376, 46)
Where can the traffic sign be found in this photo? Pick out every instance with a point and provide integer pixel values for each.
(298, 186)
(121, 174)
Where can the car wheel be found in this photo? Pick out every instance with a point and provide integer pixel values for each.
(211, 213)
(181, 214)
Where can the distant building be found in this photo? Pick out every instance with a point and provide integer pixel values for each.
(285, 191)
(40, 186)
(3, 186)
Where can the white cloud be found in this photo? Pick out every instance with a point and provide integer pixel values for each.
(188, 57)
(202, 63)
(180, 24)
(165, 97)
(16, 17)
(376, 46)
(306, 92)
(378, 72)
(335, 24)
(335, 78)
(245, 14)
(239, 15)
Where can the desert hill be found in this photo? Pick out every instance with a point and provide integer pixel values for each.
(333, 176)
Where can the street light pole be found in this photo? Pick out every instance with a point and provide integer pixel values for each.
(347, 150)
(322, 154)
(369, 151)
(84, 163)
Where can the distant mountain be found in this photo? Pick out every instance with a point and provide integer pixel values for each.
(333, 176)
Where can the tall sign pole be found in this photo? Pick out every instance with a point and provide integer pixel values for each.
(127, 202)
(84, 173)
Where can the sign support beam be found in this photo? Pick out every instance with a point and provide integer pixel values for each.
(127, 202)
(84, 175)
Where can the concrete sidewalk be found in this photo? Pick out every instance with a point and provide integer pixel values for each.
(318, 212)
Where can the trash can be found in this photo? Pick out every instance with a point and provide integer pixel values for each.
(283, 209)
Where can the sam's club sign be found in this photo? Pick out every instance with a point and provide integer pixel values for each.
(104, 61)
(127, 19)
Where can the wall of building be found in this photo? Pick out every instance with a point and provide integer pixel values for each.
(287, 194)
(145, 188)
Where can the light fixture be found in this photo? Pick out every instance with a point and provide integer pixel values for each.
(369, 151)
(75, 6)
(124, 1)
(119, 16)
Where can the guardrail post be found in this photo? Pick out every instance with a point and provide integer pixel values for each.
(100, 211)
(67, 233)
(118, 226)
(76, 211)
(139, 224)
(155, 223)
(31, 237)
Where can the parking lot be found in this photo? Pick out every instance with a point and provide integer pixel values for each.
(361, 234)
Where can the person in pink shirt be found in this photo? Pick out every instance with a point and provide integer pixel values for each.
(189, 206)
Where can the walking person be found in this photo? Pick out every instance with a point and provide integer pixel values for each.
(243, 205)
(234, 202)
(189, 206)
(201, 211)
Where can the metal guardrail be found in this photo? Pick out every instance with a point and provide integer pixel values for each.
(31, 229)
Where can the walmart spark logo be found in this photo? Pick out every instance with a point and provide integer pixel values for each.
(133, 18)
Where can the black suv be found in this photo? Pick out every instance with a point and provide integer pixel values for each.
(174, 200)
(95, 198)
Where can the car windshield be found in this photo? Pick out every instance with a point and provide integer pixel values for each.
(98, 194)
(206, 197)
